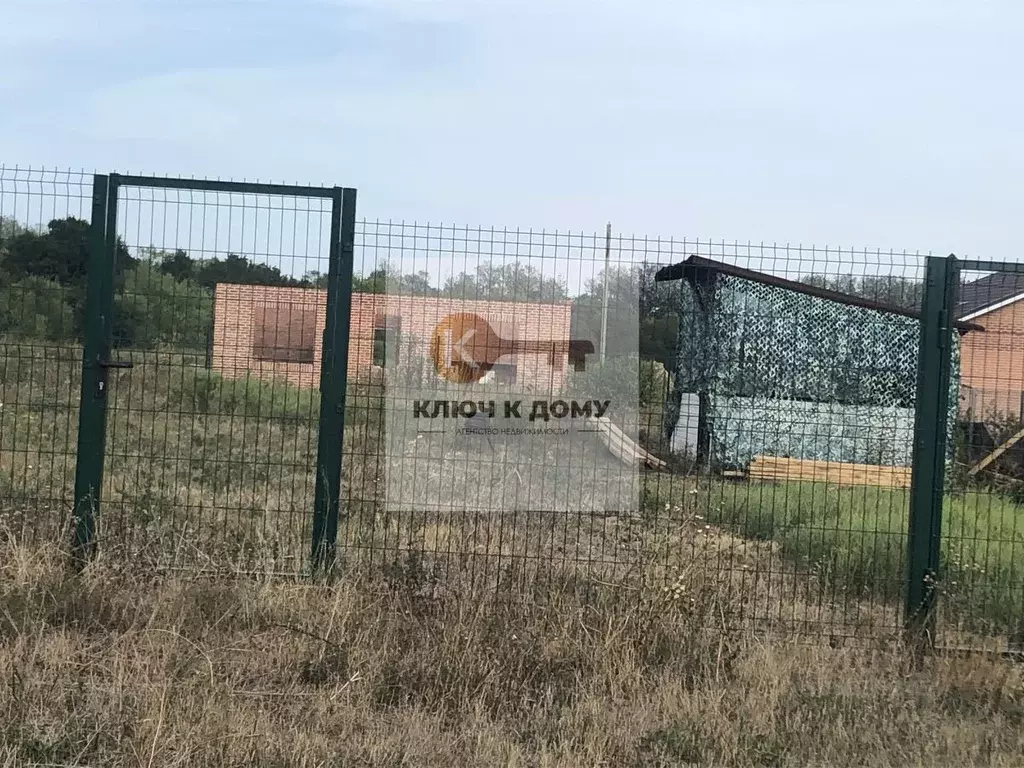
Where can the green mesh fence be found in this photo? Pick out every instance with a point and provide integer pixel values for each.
(213, 438)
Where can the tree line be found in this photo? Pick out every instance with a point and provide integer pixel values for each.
(160, 297)
(166, 297)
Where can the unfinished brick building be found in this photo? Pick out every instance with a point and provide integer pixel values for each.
(277, 333)
(992, 364)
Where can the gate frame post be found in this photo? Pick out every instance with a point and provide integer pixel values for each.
(97, 330)
(931, 411)
(334, 379)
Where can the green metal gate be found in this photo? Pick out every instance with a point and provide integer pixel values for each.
(203, 438)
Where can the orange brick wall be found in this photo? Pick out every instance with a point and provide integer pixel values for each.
(234, 331)
(992, 363)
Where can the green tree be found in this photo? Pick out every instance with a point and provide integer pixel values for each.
(314, 279)
(894, 290)
(238, 269)
(387, 278)
(36, 308)
(59, 257)
(9, 229)
(417, 284)
(231, 269)
(155, 308)
(375, 282)
(505, 282)
(632, 289)
(60, 254)
(179, 265)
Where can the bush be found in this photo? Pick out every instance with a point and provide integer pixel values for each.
(617, 378)
(155, 309)
(654, 381)
(203, 391)
(36, 308)
(150, 309)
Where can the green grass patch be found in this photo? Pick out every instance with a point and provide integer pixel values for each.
(855, 538)
(207, 392)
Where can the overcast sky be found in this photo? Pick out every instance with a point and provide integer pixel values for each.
(871, 123)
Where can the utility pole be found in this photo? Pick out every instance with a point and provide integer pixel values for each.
(607, 277)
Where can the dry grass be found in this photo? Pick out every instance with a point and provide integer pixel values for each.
(453, 638)
(218, 475)
(115, 667)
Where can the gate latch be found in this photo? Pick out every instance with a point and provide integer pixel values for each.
(104, 365)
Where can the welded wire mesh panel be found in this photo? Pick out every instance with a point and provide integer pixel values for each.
(44, 226)
(981, 582)
(794, 401)
(480, 447)
(738, 394)
(212, 434)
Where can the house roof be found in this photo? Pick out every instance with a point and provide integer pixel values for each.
(690, 267)
(985, 293)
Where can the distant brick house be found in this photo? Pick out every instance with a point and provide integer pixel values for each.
(992, 363)
(277, 332)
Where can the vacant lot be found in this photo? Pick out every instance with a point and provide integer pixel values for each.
(209, 473)
(725, 624)
(118, 668)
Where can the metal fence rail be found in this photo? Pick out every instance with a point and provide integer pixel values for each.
(795, 411)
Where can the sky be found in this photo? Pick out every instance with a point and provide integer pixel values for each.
(873, 124)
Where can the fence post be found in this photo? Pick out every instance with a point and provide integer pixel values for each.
(333, 379)
(98, 324)
(930, 447)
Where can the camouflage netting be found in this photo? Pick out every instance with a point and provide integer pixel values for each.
(794, 375)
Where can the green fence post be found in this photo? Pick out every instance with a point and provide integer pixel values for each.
(333, 379)
(930, 447)
(92, 417)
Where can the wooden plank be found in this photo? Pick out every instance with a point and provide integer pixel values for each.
(833, 468)
(622, 447)
(821, 464)
(810, 465)
(776, 467)
(830, 473)
(881, 482)
(852, 477)
(996, 453)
